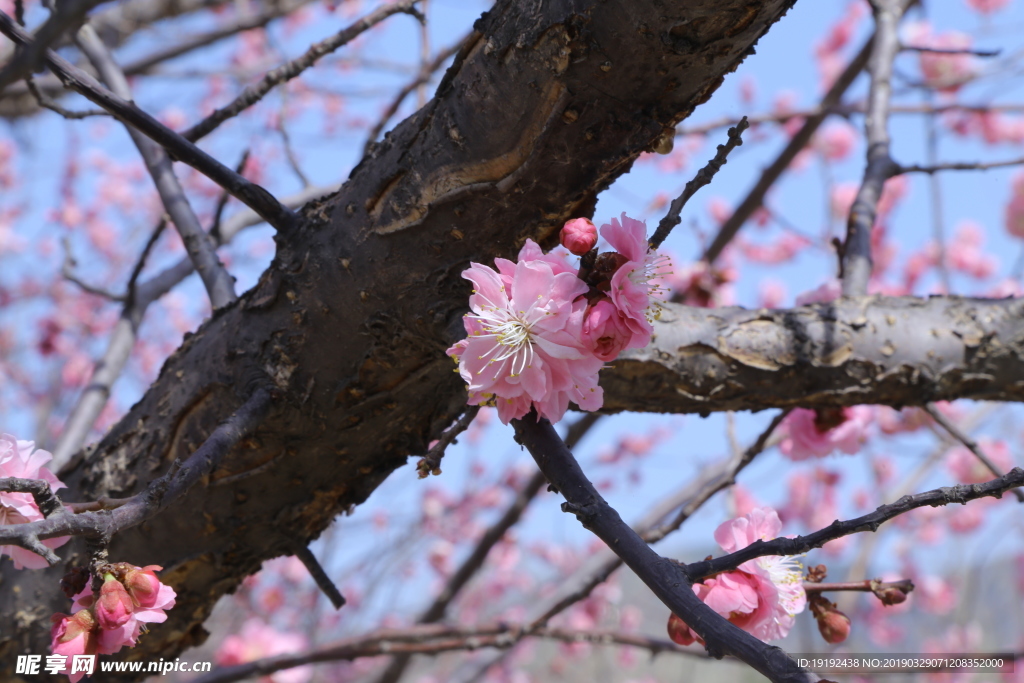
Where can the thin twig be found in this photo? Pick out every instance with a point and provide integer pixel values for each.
(140, 263)
(972, 445)
(431, 462)
(289, 70)
(31, 56)
(46, 102)
(67, 271)
(855, 259)
(220, 286)
(961, 493)
(665, 578)
(250, 194)
(323, 581)
(958, 166)
(935, 195)
(952, 51)
(704, 177)
(432, 640)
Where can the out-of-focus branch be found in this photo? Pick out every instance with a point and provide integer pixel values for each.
(422, 78)
(430, 640)
(159, 494)
(67, 15)
(961, 493)
(958, 166)
(289, 70)
(756, 194)
(250, 194)
(704, 177)
(220, 286)
(856, 251)
(971, 445)
(665, 578)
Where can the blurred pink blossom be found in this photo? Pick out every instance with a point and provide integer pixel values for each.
(21, 459)
(817, 433)
(968, 469)
(257, 640)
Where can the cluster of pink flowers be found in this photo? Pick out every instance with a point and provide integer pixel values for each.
(761, 596)
(20, 459)
(130, 597)
(540, 329)
(258, 640)
(945, 71)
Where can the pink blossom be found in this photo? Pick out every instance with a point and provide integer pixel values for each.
(144, 587)
(73, 635)
(605, 331)
(987, 6)
(817, 433)
(257, 640)
(943, 71)
(968, 469)
(111, 637)
(761, 596)
(20, 459)
(826, 292)
(771, 293)
(836, 141)
(578, 236)
(637, 280)
(524, 348)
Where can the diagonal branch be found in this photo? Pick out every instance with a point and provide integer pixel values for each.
(220, 286)
(703, 177)
(961, 493)
(289, 70)
(665, 578)
(249, 193)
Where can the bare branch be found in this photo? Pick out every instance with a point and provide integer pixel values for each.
(46, 500)
(103, 524)
(951, 51)
(856, 251)
(289, 70)
(323, 581)
(220, 286)
(665, 578)
(250, 194)
(704, 176)
(432, 640)
(958, 166)
(46, 102)
(960, 493)
(972, 445)
(431, 462)
(67, 271)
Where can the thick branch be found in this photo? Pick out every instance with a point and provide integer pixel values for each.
(663, 577)
(961, 493)
(46, 500)
(895, 351)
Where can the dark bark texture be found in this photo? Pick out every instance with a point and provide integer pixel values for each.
(552, 103)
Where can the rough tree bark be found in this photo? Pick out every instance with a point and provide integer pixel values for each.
(550, 104)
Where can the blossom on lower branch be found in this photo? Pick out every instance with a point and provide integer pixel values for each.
(20, 459)
(540, 329)
(130, 597)
(761, 596)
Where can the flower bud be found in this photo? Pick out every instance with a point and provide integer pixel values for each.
(679, 632)
(834, 626)
(578, 236)
(73, 634)
(114, 607)
(143, 585)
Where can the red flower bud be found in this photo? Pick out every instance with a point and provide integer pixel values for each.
(679, 632)
(579, 236)
(834, 626)
(143, 585)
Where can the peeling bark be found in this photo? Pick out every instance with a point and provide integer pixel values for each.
(551, 104)
(896, 351)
